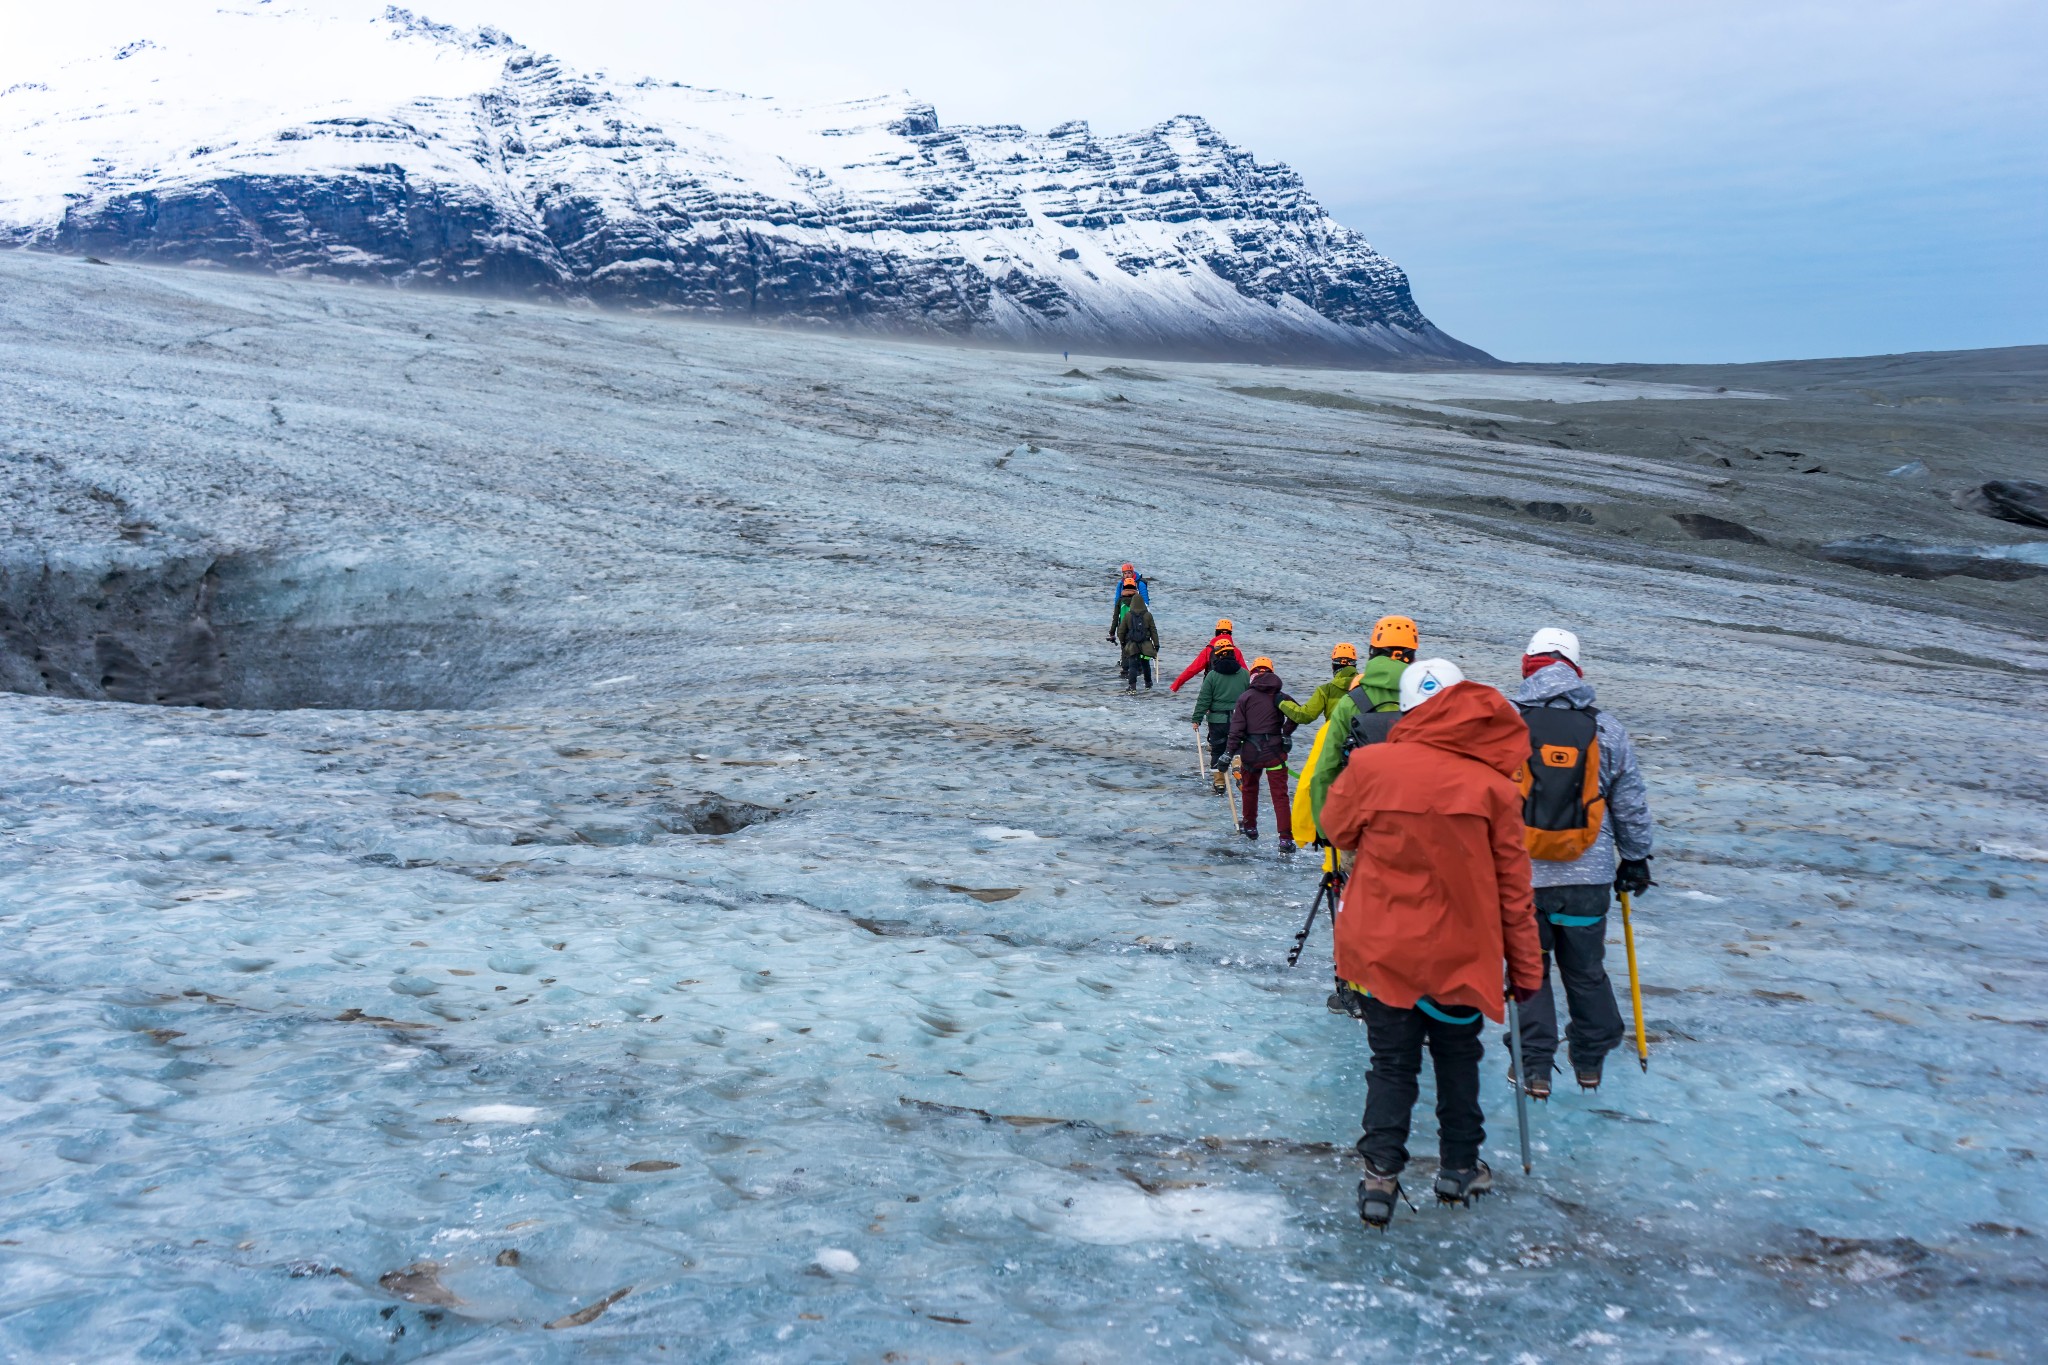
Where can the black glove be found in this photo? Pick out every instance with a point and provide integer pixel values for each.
(1632, 878)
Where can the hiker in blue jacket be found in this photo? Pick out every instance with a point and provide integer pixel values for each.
(1126, 574)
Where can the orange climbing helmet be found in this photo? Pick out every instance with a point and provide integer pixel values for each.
(1262, 662)
(1223, 626)
(1395, 632)
(1344, 649)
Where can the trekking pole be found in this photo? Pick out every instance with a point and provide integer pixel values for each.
(1201, 753)
(1635, 988)
(1521, 1077)
(1316, 905)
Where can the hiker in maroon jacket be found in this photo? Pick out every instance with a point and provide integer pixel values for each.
(1262, 735)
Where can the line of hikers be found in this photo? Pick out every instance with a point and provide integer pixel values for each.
(1471, 840)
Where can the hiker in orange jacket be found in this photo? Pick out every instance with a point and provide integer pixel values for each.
(1201, 663)
(1438, 897)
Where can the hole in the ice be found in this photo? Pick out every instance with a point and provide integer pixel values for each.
(639, 821)
(324, 629)
(717, 815)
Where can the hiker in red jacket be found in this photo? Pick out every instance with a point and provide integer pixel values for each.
(1438, 897)
(1201, 663)
(1262, 734)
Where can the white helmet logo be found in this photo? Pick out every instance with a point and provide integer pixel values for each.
(1421, 681)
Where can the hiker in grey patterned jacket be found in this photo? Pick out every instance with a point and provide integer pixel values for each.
(1572, 896)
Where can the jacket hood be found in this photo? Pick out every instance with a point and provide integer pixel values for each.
(1266, 682)
(1382, 681)
(1472, 719)
(1554, 681)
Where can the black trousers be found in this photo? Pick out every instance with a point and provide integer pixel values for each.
(1397, 1037)
(1580, 952)
(1219, 741)
(1137, 666)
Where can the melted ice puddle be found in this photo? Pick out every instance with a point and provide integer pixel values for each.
(1118, 1215)
(498, 1113)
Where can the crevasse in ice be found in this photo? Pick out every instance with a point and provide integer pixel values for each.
(781, 940)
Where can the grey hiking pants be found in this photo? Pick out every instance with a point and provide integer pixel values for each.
(1580, 951)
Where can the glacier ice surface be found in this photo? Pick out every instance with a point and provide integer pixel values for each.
(385, 1032)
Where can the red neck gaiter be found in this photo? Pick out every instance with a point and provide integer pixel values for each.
(1532, 662)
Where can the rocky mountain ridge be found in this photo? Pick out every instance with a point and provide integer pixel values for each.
(386, 148)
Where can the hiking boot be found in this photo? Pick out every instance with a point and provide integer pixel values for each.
(1219, 783)
(1588, 1076)
(1458, 1187)
(1250, 834)
(1344, 1000)
(1538, 1087)
(1286, 846)
(1376, 1196)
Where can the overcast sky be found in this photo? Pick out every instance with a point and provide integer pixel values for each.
(1562, 179)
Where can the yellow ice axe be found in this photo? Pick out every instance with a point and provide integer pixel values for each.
(1635, 988)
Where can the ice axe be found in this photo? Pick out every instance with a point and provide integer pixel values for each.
(1201, 752)
(1233, 789)
(1635, 987)
(1521, 1076)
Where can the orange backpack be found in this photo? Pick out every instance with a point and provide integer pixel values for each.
(1560, 783)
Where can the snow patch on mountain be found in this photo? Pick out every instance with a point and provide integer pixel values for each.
(379, 146)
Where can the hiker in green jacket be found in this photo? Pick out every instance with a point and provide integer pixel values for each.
(1355, 721)
(1223, 683)
(1343, 668)
(1362, 716)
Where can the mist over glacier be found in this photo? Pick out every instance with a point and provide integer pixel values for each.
(641, 850)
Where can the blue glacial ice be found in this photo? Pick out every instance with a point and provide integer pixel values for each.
(674, 879)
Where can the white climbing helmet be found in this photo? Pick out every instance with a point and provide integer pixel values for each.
(1552, 640)
(1421, 681)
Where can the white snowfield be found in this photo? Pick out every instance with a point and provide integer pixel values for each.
(782, 941)
(342, 138)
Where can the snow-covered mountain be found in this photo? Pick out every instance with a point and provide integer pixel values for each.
(383, 147)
